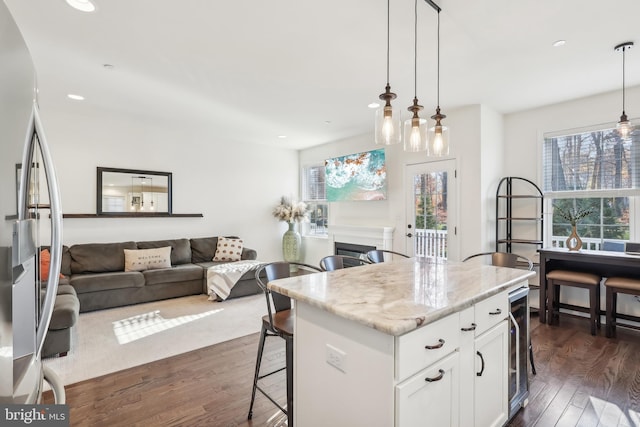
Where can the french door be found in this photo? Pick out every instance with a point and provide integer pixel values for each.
(431, 209)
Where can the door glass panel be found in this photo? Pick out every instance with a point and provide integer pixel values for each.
(429, 210)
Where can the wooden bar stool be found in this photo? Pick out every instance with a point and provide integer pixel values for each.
(615, 285)
(557, 278)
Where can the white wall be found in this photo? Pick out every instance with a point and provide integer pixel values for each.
(234, 186)
(476, 132)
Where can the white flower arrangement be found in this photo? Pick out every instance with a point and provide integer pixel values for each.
(291, 211)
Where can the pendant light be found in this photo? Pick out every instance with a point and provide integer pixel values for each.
(624, 125)
(415, 128)
(388, 123)
(438, 135)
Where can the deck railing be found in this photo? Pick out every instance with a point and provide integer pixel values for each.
(430, 243)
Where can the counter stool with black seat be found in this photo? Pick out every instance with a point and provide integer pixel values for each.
(591, 282)
(614, 286)
(277, 323)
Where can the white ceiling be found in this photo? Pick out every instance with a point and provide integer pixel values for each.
(251, 70)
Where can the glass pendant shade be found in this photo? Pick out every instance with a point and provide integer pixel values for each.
(388, 123)
(624, 126)
(438, 140)
(438, 137)
(415, 130)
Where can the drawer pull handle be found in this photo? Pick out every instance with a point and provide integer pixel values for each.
(438, 378)
(435, 347)
(470, 328)
(481, 366)
(495, 313)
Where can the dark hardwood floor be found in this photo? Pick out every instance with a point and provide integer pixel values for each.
(582, 381)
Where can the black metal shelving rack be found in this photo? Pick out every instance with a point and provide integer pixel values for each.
(505, 199)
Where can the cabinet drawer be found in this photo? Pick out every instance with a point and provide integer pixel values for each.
(420, 348)
(491, 311)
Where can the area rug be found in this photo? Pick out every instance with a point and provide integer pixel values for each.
(107, 341)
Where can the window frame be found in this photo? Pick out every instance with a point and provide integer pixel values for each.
(308, 229)
(552, 195)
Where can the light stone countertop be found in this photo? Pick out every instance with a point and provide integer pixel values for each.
(402, 295)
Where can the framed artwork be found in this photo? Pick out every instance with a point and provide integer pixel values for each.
(360, 176)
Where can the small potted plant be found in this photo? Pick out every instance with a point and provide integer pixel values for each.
(573, 215)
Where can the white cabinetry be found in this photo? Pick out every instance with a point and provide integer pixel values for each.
(427, 377)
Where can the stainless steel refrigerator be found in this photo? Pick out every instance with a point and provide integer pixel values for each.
(31, 219)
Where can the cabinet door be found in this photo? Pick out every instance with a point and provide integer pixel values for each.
(430, 397)
(490, 391)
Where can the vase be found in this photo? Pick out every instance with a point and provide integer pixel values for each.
(573, 241)
(291, 244)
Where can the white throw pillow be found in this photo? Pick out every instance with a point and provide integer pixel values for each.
(147, 259)
(228, 249)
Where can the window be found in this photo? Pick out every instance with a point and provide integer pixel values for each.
(314, 195)
(591, 169)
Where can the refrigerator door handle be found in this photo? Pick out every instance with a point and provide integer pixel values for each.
(56, 225)
(517, 328)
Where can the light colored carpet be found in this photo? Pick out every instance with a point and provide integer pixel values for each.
(107, 341)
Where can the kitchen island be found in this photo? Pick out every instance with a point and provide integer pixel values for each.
(408, 342)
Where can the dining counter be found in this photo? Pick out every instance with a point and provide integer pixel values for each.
(400, 296)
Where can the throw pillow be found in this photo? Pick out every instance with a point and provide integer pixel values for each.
(228, 249)
(147, 259)
(45, 262)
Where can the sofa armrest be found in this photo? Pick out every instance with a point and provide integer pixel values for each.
(249, 254)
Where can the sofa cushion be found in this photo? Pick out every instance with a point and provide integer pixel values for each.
(147, 259)
(98, 257)
(203, 249)
(228, 249)
(178, 273)
(65, 312)
(84, 283)
(180, 249)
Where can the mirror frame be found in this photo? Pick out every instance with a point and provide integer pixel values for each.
(99, 180)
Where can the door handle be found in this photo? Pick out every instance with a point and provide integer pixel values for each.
(409, 235)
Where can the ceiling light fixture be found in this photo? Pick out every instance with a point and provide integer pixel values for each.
(415, 127)
(559, 43)
(438, 135)
(388, 123)
(624, 125)
(75, 97)
(82, 5)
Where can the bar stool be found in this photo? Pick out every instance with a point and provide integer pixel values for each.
(615, 285)
(278, 322)
(557, 278)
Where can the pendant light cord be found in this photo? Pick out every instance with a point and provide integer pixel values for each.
(415, 51)
(438, 75)
(623, 96)
(388, 31)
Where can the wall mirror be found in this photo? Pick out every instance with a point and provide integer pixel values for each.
(133, 192)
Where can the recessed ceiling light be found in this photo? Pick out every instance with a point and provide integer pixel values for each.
(282, 136)
(559, 43)
(108, 66)
(82, 5)
(75, 97)
(327, 122)
(373, 105)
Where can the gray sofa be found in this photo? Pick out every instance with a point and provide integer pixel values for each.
(96, 272)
